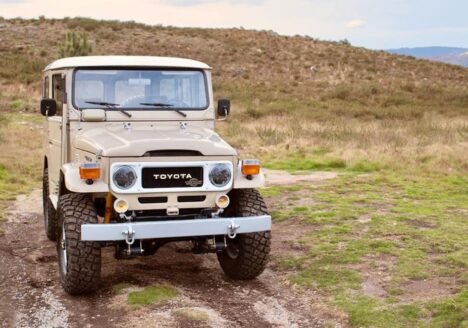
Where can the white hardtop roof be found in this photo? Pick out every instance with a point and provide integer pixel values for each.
(135, 61)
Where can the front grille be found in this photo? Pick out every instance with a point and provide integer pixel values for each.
(172, 177)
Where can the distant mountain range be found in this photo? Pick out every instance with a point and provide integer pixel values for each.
(451, 55)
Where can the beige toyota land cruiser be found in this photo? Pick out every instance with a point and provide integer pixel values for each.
(131, 161)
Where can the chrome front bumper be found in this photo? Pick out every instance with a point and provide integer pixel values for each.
(174, 229)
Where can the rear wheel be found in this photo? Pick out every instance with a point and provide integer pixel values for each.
(246, 256)
(79, 261)
(50, 219)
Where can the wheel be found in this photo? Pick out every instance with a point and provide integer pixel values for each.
(50, 218)
(79, 261)
(246, 256)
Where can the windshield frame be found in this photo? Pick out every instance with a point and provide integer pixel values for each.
(142, 68)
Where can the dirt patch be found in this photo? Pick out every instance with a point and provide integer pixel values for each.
(420, 224)
(199, 317)
(371, 286)
(52, 313)
(365, 218)
(32, 296)
(287, 236)
(274, 313)
(428, 289)
(375, 272)
(24, 206)
(276, 177)
(200, 284)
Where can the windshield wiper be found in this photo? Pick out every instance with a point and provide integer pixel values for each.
(164, 105)
(156, 104)
(109, 105)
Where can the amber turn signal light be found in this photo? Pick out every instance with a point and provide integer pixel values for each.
(90, 171)
(250, 167)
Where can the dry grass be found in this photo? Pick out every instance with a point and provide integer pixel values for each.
(16, 97)
(20, 163)
(435, 140)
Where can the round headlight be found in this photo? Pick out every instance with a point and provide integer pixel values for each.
(125, 177)
(220, 175)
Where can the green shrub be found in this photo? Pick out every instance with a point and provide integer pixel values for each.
(19, 104)
(75, 44)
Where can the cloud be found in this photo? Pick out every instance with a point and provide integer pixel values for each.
(354, 23)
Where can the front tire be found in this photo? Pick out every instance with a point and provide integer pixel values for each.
(50, 215)
(79, 261)
(247, 254)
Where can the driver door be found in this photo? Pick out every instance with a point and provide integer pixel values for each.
(54, 133)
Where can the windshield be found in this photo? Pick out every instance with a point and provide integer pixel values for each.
(140, 89)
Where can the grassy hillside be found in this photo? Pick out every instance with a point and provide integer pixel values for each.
(392, 226)
(290, 93)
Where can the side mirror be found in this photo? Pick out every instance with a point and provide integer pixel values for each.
(48, 107)
(224, 107)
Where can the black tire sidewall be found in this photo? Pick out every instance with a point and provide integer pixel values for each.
(253, 248)
(50, 215)
(83, 268)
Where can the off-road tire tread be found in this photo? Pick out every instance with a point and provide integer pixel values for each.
(254, 247)
(84, 257)
(50, 220)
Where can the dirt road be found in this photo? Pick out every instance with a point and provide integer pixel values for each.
(31, 295)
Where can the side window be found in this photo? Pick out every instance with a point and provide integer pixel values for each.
(46, 88)
(58, 92)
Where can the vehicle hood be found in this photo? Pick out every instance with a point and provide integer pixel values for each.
(118, 141)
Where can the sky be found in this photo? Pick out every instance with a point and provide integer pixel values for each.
(375, 24)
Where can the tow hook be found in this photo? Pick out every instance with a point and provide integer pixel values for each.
(129, 235)
(232, 230)
(130, 240)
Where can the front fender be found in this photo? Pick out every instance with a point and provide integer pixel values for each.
(73, 182)
(241, 182)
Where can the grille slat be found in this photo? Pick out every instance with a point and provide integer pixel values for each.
(152, 200)
(188, 199)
